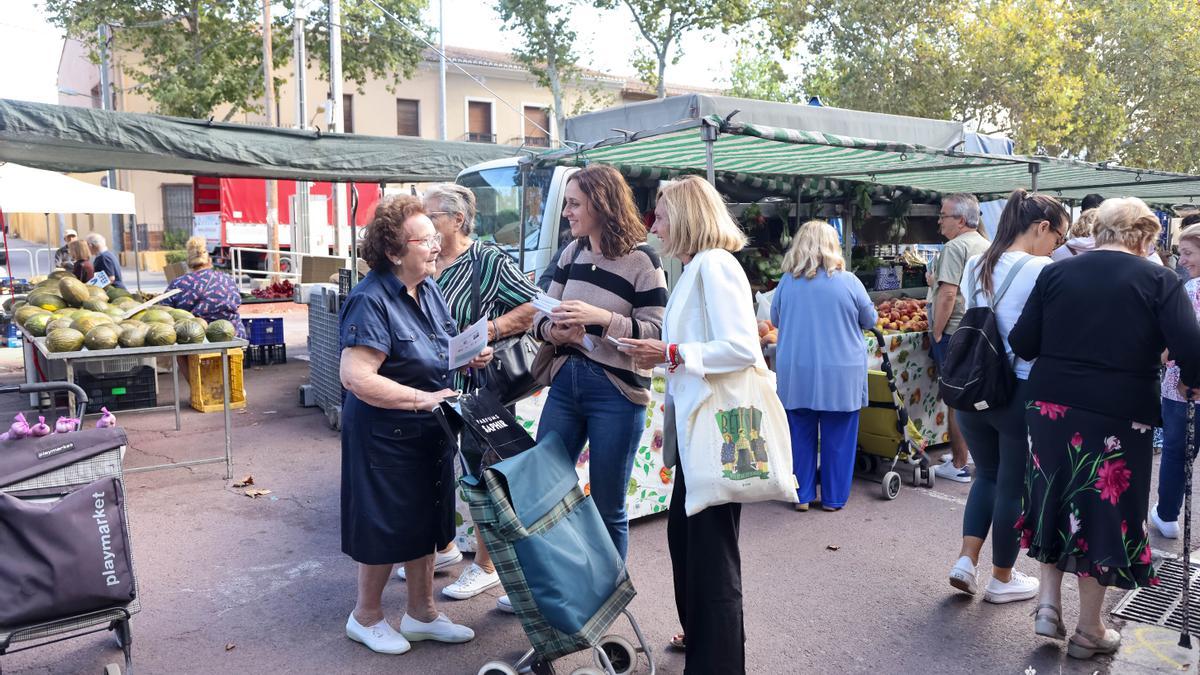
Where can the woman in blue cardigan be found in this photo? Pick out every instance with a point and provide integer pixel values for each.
(821, 362)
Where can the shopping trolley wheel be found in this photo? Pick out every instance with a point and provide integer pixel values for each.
(112, 669)
(891, 485)
(928, 471)
(864, 463)
(497, 668)
(620, 652)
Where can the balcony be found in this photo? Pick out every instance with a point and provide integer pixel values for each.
(537, 141)
(473, 137)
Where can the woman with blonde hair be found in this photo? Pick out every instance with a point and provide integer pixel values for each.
(1094, 396)
(204, 291)
(1081, 239)
(821, 310)
(709, 328)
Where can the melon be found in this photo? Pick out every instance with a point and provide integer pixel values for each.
(157, 316)
(74, 291)
(64, 340)
(102, 337)
(125, 303)
(132, 322)
(97, 293)
(189, 332)
(133, 336)
(37, 324)
(178, 315)
(114, 292)
(47, 300)
(85, 324)
(95, 305)
(220, 331)
(58, 274)
(160, 335)
(115, 312)
(24, 313)
(56, 324)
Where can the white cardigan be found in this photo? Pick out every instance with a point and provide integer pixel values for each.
(713, 286)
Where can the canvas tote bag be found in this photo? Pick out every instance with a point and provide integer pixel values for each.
(738, 446)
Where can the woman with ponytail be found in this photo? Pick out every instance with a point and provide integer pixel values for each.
(1030, 228)
(204, 291)
(1097, 325)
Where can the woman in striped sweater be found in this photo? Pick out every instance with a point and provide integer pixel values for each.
(611, 285)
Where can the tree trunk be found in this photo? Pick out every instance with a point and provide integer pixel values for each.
(662, 69)
(556, 92)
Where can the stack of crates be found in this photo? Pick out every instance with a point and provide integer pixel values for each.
(324, 354)
(266, 341)
(117, 384)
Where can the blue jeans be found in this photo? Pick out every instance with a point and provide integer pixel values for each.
(583, 406)
(836, 436)
(1174, 456)
(938, 351)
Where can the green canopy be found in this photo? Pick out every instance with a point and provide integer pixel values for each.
(61, 138)
(815, 162)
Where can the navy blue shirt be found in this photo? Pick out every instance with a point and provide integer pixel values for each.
(107, 262)
(380, 314)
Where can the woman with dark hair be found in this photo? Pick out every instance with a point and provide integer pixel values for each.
(1097, 325)
(397, 468)
(611, 285)
(1031, 227)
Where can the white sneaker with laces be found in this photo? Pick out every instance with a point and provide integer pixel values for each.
(473, 581)
(949, 456)
(381, 637)
(948, 471)
(962, 576)
(440, 562)
(1020, 587)
(441, 629)
(505, 605)
(1167, 528)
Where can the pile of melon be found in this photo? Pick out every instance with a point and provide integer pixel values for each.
(73, 316)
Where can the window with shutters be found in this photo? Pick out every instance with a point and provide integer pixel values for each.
(537, 126)
(479, 122)
(408, 117)
(348, 113)
(177, 210)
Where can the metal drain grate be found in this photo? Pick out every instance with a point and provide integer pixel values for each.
(1162, 605)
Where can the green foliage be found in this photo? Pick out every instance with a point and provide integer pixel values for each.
(549, 48)
(174, 239)
(192, 57)
(176, 256)
(759, 75)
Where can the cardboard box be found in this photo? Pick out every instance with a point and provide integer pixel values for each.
(318, 268)
(175, 270)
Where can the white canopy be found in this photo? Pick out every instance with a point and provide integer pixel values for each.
(26, 190)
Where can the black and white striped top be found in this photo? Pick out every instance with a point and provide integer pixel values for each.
(502, 286)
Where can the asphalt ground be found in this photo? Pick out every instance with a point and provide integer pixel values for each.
(232, 584)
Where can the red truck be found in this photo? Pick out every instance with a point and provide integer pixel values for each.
(232, 212)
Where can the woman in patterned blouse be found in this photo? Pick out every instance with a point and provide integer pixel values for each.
(205, 292)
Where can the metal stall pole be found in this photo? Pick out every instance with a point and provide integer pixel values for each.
(353, 233)
(524, 169)
(1033, 174)
(137, 260)
(49, 252)
(708, 134)
(225, 380)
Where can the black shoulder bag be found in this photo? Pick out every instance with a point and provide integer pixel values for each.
(510, 374)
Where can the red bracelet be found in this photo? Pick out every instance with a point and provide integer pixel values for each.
(673, 356)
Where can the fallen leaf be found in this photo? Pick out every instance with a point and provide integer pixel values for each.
(248, 480)
(230, 646)
(831, 547)
(255, 494)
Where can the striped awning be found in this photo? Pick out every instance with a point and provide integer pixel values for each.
(816, 163)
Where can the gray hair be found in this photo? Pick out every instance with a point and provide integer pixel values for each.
(96, 239)
(965, 206)
(452, 199)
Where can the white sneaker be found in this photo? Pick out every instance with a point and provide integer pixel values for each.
(962, 576)
(505, 605)
(949, 457)
(441, 629)
(1168, 529)
(380, 637)
(1020, 587)
(948, 471)
(440, 562)
(473, 581)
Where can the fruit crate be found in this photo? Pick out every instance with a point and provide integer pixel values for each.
(264, 330)
(266, 355)
(207, 383)
(131, 390)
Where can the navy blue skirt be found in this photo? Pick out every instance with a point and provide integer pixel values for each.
(397, 484)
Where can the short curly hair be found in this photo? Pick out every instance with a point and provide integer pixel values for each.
(386, 237)
(1126, 222)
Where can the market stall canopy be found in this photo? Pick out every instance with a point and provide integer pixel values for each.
(814, 163)
(26, 190)
(61, 138)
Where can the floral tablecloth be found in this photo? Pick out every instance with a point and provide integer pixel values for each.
(649, 489)
(916, 381)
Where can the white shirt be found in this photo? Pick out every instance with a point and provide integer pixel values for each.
(1014, 298)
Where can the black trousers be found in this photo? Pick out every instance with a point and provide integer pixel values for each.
(708, 583)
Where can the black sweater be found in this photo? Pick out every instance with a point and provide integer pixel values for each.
(1097, 325)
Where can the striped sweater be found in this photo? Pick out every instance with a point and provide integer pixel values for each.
(632, 287)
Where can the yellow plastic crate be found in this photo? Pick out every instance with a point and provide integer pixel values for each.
(204, 377)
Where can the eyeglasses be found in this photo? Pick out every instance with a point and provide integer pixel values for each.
(431, 214)
(943, 216)
(429, 242)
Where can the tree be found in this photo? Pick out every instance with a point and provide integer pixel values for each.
(759, 75)
(549, 49)
(662, 22)
(191, 57)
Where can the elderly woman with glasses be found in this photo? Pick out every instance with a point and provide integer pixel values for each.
(397, 468)
(470, 271)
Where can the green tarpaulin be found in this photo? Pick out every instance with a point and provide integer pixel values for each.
(61, 138)
(813, 162)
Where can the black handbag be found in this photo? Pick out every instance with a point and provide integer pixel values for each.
(510, 374)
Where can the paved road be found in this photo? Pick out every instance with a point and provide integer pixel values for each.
(25, 255)
(233, 584)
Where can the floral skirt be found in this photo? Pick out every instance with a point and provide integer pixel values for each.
(1087, 487)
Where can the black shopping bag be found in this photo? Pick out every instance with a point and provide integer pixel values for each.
(480, 414)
